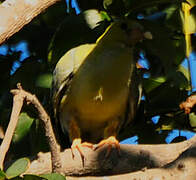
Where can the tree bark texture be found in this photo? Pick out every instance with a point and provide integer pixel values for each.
(169, 161)
(14, 14)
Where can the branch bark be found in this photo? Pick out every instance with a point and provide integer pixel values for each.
(188, 104)
(19, 97)
(17, 13)
(167, 161)
(17, 105)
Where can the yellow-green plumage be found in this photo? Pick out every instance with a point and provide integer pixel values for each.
(94, 85)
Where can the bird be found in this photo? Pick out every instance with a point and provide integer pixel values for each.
(95, 90)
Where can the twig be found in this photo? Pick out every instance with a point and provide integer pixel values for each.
(54, 147)
(188, 104)
(17, 105)
(19, 96)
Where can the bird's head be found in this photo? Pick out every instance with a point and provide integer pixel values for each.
(126, 31)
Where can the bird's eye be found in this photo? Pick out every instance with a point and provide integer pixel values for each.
(124, 26)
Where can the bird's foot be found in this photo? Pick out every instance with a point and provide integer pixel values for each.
(109, 141)
(77, 144)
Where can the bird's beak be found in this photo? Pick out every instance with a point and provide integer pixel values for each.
(148, 35)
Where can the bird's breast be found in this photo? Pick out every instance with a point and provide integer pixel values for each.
(100, 89)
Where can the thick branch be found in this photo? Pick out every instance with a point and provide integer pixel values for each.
(133, 158)
(17, 13)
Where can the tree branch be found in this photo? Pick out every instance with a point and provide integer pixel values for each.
(54, 147)
(188, 104)
(17, 13)
(17, 105)
(19, 96)
(138, 159)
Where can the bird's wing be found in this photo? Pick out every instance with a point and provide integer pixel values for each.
(135, 93)
(65, 70)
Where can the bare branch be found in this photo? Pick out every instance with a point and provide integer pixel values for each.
(54, 147)
(17, 105)
(17, 13)
(163, 157)
(19, 96)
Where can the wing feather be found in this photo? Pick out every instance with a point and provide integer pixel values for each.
(65, 71)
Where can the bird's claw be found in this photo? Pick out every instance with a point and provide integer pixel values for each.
(110, 142)
(77, 144)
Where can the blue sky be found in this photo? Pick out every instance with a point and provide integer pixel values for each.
(74, 5)
(22, 46)
(192, 60)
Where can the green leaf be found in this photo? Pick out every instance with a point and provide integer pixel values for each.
(105, 16)
(173, 18)
(169, 51)
(190, 21)
(179, 78)
(54, 14)
(44, 80)
(183, 77)
(176, 120)
(152, 83)
(92, 18)
(53, 176)
(23, 127)
(192, 119)
(184, 70)
(115, 7)
(2, 175)
(170, 11)
(136, 5)
(95, 4)
(192, 2)
(33, 177)
(17, 168)
(165, 98)
(27, 74)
